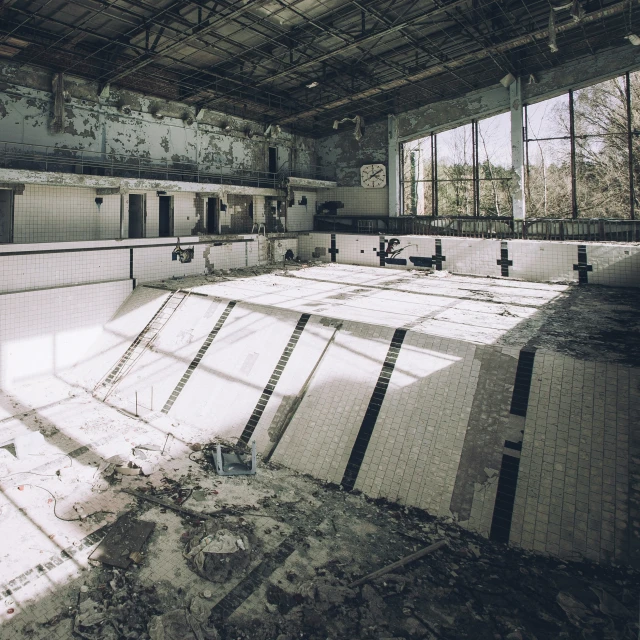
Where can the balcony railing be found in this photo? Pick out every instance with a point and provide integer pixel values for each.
(589, 230)
(41, 158)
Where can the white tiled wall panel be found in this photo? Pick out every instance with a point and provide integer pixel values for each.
(45, 332)
(39, 271)
(300, 216)
(534, 261)
(314, 246)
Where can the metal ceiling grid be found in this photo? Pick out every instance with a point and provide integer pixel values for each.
(304, 63)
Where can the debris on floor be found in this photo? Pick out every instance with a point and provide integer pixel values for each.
(280, 556)
(122, 544)
(221, 549)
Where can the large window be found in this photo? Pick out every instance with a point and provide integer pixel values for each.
(582, 159)
(460, 172)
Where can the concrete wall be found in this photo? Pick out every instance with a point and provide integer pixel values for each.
(97, 124)
(44, 213)
(357, 201)
(300, 216)
(347, 154)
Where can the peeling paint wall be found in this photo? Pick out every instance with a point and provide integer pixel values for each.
(344, 152)
(347, 154)
(26, 112)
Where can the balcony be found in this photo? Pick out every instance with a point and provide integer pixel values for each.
(33, 157)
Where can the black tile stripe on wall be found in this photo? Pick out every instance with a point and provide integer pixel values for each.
(274, 379)
(333, 250)
(438, 258)
(508, 479)
(382, 253)
(373, 410)
(583, 267)
(504, 263)
(196, 361)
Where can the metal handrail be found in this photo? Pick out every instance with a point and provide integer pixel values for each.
(59, 159)
(501, 228)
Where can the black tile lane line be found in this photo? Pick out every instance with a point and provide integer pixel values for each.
(274, 379)
(508, 479)
(196, 361)
(522, 384)
(505, 498)
(223, 609)
(373, 410)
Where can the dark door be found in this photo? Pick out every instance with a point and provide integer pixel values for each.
(166, 216)
(136, 215)
(273, 160)
(6, 215)
(212, 215)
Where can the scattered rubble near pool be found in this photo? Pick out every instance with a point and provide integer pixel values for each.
(188, 554)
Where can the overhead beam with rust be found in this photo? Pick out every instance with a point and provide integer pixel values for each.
(457, 63)
(185, 37)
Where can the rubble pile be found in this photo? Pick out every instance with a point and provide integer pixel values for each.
(116, 607)
(470, 588)
(303, 560)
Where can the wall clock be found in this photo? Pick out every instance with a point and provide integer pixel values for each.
(373, 176)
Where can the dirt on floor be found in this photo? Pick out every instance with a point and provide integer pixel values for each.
(275, 556)
(592, 323)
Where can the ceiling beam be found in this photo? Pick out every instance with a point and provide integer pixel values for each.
(360, 42)
(461, 61)
(185, 37)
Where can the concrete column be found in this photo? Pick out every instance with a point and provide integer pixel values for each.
(394, 167)
(122, 196)
(517, 150)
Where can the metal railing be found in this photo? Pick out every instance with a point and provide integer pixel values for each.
(41, 158)
(587, 230)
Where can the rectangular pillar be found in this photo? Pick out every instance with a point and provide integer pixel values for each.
(394, 167)
(517, 150)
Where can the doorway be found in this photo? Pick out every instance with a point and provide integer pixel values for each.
(165, 227)
(273, 160)
(212, 226)
(6, 216)
(137, 215)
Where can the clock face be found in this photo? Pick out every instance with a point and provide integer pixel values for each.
(373, 176)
